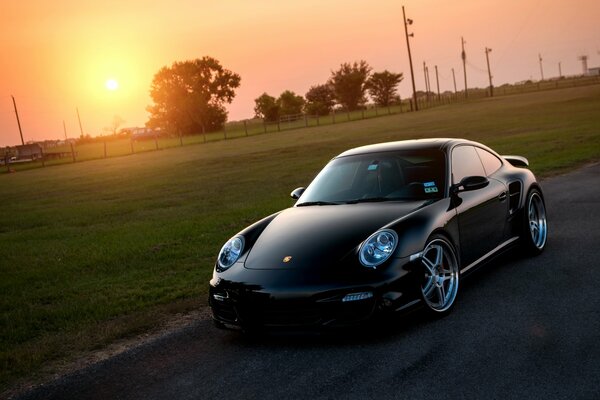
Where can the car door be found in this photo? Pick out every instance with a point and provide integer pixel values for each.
(481, 213)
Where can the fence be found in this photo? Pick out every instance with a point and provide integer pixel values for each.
(126, 146)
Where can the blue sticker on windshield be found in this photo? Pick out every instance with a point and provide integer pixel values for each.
(372, 167)
(430, 187)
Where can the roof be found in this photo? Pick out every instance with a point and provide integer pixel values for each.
(416, 144)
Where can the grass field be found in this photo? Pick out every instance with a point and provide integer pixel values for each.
(95, 251)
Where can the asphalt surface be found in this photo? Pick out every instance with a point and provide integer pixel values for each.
(522, 328)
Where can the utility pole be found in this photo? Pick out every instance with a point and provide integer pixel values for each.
(454, 80)
(487, 58)
(18, 121)
(541, 66)
(412, 75)
(559, 70)
(428, 83)
(79, 119)
(437, 80)
(464, 59)
(65, 129)
(584, 66)
(425, 75)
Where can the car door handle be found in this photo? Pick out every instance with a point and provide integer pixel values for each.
(502, 196)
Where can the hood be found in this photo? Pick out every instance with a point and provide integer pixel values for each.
(316, 236)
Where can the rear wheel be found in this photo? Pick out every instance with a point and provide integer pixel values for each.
(535, 224)
(439, 286)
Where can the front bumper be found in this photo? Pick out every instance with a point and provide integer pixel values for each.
(295, 303)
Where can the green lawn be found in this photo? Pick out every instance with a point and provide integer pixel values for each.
(98, 250)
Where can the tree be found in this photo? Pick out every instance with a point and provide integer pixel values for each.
(117, 121)
(190, 96)
(290, 103)
(382, 87)
(266, 107)
(350, 84)
(320, 100)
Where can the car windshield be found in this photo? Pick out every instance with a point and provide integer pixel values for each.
(373, 177)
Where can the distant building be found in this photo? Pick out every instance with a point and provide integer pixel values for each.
(593, 71)
(29, 151)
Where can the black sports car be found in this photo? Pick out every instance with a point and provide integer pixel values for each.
(381, 228)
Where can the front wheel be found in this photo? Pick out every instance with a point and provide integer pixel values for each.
(441, 274)
(535, 224)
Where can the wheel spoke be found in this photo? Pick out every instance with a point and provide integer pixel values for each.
(441, 295)
(429, 266)
(429, 291)
(531, 211)
(439, 258)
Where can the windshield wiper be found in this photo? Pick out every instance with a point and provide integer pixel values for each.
(317, 203)
(369, 200)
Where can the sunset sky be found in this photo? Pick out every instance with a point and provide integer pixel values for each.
(58, 55)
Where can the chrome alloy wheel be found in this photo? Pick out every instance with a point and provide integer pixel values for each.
(440, 283)
(536, 216)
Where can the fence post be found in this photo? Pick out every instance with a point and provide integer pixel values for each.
(305, 121)
(156, 141)
(73, 152)
(245, 127)
(333, 117)
(278, 124)
(105, 149)
(376, 111)
(131, 142)
(42, 150)
(389, 110)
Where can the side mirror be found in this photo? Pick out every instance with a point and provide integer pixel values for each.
(296, 193)
(469, 183)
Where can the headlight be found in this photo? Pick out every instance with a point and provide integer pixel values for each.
(378, 248)
(230, 252)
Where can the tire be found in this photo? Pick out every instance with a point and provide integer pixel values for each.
(535, 225)
(441, 274)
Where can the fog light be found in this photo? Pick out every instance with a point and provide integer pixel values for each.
(220, 296)
(357, 296)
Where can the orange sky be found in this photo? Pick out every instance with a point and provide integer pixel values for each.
(57, 55)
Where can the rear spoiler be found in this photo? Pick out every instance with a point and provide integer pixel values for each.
(517, 161)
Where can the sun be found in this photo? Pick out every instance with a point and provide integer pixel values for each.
(112, 84)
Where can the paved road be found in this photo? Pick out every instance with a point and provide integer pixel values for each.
(523, 328)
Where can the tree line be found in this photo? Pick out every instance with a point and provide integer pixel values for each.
(190, 96)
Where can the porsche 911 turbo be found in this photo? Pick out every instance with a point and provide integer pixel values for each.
(381, 229)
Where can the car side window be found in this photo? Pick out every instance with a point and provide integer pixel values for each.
(465, 162)
(491, 163)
